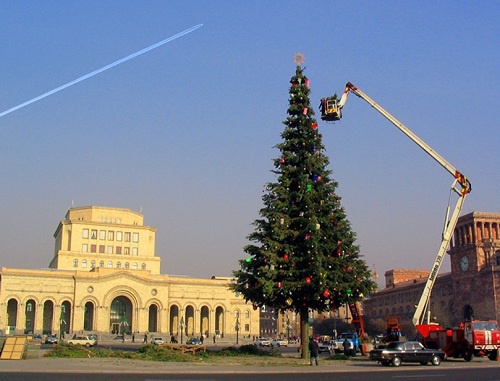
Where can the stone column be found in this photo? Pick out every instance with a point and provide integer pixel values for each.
(21, 318)
(38, 323)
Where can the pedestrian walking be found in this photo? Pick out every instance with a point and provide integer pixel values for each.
(314, 351)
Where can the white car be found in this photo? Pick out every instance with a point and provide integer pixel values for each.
(157, 341)
(262, 342)
(81, 340)
(279, 343)
(325, 346)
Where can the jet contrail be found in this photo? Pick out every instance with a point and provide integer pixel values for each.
(74, 82)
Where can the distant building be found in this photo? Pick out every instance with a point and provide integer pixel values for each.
(471, 288)
(105, 278)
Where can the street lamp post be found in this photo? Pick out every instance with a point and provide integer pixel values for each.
(288, 328)
(182, 328)
(237, 327)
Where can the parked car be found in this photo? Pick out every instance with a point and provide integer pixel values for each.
(279, 342)
(81, 340)
(157, 341)
(193, 341)
(51, 339)
(398, 352)
(325, 346)
(262, 342)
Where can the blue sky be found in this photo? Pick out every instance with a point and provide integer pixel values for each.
(185, 132)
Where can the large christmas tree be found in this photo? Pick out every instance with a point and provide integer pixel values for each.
(303, 256)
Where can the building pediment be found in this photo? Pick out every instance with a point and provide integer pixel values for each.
(103, 274)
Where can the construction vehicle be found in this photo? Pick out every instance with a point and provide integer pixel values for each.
(471, 337)
(392, 329)
(357, 319)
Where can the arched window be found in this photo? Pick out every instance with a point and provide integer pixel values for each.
(101, 264)
(127, 265)
(110, 265)
(84, 263)
(134, 266)
(92, 264)
(118, 265)
(143, 266)
(75, 262)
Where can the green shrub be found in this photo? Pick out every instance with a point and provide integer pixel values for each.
(71, 351)
(151, 352)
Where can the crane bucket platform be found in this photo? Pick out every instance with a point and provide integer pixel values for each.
(330, 109)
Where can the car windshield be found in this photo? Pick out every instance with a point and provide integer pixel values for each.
(485, 326)
(347, 335)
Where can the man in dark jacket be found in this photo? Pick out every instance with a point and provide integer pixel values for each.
(314, 351)
(347, 347)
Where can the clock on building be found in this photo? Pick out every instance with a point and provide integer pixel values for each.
(464, 263)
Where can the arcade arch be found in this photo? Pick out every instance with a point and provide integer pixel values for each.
(120, 317)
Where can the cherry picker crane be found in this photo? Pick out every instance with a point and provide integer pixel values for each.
(461, 341)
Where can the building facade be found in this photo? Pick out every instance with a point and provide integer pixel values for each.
(471, 289)
(105, 278)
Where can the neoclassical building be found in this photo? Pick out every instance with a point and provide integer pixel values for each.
(471, 288)
(104, 278)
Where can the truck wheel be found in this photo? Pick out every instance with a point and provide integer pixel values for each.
(493, 355)
(396, 361)
(87, 345)
(436, 360)
(467, 354)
